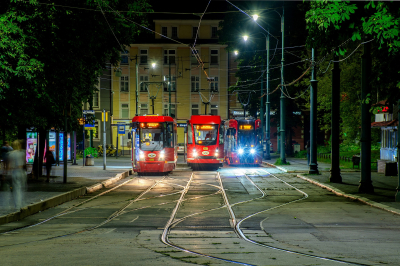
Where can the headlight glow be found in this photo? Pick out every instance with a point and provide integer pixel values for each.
(240, 151)
(194, 153)
(252, 151)
(162, 155)
(141, 155)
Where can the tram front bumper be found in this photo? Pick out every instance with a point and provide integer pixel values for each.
(154, 167)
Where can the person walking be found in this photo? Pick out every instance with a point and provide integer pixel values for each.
(308, 152)
(5, 178)
(17, 169)
(49, 163)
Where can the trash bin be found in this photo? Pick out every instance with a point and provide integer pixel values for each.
(89, 160)
(296, 148)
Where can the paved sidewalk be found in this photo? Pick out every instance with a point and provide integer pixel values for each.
(80, 180)
(384, 186)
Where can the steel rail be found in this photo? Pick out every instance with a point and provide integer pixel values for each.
(68, 211)
(94, 227)
(170, 224)
(305, 196)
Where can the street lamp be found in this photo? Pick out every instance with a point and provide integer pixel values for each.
(236, 52)
(153, 65)
(255, 17)
(245, 37)
(267, 129)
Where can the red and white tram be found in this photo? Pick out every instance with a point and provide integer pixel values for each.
(205, 142)
(243, 141)
(154, 148)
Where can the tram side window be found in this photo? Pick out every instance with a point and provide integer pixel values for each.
(169, 135)
(189, 134)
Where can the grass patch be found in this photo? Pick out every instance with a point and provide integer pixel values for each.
(216, 243)
(279, 162)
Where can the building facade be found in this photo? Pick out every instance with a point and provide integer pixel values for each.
(166, 75)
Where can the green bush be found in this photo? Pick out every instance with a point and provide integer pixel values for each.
(91, 151)
(279, 162)
(301, 154)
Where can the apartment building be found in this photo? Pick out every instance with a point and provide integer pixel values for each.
(181, 71)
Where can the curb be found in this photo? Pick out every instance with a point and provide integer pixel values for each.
(338, 192)
(60, 199)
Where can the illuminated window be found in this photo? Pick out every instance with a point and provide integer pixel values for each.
(96, 95)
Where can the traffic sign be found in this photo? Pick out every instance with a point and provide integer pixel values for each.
(121, 129)
(88, 112)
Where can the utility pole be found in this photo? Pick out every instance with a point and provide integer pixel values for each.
(313, 119)
(335, 176)
(397, 197)
(267, 107)
(282, 99)
(104, 138)
(169, 86)
(365, 182)
(137, 85)
(65, 148)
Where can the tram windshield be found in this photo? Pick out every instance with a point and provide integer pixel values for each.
(205, 134)
(151, 136)
(246, 135)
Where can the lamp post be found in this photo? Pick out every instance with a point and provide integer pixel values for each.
(283, 111)
(267, 122)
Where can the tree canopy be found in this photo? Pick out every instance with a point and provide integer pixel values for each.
(52, 54)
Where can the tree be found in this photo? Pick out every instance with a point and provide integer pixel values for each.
(252, 55)
(331, 23)
(52, 54)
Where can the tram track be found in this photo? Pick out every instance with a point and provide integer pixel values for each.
(122, 210)
(237, 223)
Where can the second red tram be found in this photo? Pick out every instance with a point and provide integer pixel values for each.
(243, 141)
(154, 146)
(205, 142)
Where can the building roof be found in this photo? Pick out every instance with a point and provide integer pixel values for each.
(392, 123)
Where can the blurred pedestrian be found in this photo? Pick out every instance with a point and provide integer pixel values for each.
(308, 152)
(5, 177)
(49, 163)
(17, 169)
(4, 153)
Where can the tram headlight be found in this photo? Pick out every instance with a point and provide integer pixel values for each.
(252, 151)
(240, 151)
(162, 155)
(194, 153)
(141, 155)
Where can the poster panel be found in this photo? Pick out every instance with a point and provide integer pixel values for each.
(31, 144)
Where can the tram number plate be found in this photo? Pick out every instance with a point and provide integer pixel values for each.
(205, 148)
(151, 159)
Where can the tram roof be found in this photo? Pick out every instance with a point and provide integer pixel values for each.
(152, 118)
(205, 119)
